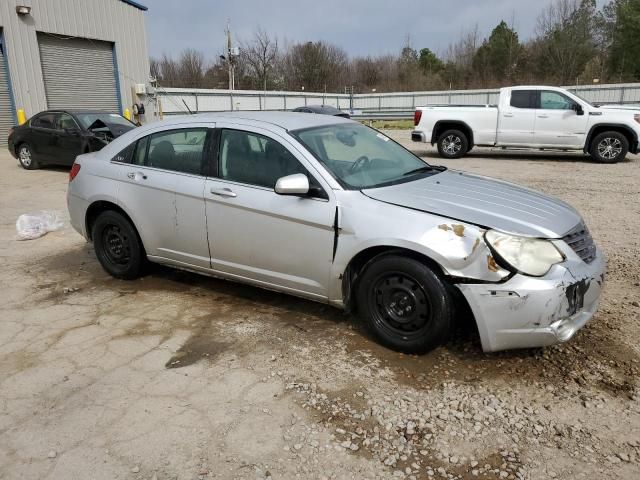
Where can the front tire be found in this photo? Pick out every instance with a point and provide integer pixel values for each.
(453, 144)
(25, 157)
(405, 305)
(609, 147)
(118, 246)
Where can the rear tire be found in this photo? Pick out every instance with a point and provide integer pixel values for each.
(453, 144)
(609, 147)
(118, 246)
(25, 157)
(405, 305)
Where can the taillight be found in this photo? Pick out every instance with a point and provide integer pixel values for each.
(416, 117)
(75, 169)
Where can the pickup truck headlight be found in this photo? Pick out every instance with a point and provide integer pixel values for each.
(531, 256)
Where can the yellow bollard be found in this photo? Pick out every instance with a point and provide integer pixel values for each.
(127, 114)
(22, 118)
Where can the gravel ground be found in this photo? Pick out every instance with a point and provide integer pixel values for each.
(177, 376)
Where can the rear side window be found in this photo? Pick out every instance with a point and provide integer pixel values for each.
(523, 98)
(125, 155)
(45, 120)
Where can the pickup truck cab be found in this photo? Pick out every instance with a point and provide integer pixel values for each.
(532, 117)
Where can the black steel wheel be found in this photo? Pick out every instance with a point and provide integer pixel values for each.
(118, 246)
(404, 303)
(453, 144)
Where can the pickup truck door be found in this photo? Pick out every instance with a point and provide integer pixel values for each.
(558, 123)
(517, 118)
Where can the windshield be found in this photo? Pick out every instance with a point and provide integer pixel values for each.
(361, 157)
(88, 119)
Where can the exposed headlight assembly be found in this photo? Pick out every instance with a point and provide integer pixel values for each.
(531, 256)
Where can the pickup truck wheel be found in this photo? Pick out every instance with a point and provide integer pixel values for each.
(117, 245)
(404, 304)
(609, 147)
(453, 144)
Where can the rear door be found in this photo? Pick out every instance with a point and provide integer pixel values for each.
(161, 183)
(557, 122)
(517, 118)
(41, 136)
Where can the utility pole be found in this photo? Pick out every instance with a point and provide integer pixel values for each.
(230, 64)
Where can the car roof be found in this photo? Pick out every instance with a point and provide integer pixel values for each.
(285, 120)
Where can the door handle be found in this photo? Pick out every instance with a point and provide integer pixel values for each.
(223, 192)
(136, 175)
(508, 114)
(543, 116)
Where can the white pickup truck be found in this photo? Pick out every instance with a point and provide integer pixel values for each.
(532, 117)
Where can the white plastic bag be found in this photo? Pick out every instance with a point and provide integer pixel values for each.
(35, 225)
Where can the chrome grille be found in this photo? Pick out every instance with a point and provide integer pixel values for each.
(579, 239)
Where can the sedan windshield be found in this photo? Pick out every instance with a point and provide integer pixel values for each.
(361, 157)
(89, 119)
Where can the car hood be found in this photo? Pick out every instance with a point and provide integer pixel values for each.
(484, 202)
(626, 108)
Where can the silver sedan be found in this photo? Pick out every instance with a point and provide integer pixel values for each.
(333, 211)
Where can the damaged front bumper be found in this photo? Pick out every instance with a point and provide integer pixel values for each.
(526, 312)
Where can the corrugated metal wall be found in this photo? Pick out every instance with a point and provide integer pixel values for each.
(107, 20)
(6, 115)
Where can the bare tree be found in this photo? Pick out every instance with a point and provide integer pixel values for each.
(260, 55)
(191, 68)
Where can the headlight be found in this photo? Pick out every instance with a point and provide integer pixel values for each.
(531, 256)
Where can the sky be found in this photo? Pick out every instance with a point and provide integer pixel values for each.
(360, 27)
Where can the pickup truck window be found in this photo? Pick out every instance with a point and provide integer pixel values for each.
(523, 98)
(554, 101)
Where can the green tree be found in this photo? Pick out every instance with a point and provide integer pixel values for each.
(624, 51)
(498, 56)
(429, 62)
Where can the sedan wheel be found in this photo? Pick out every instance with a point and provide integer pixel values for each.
(25, 157)
(404, 303)
(118, 246)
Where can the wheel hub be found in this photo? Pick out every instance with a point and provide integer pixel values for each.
(116, 245)
(400, 303)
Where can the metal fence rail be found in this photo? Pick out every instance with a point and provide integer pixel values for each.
(177, 101)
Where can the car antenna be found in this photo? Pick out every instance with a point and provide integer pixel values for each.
(185, 104)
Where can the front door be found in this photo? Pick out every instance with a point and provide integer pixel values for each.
(67, 141)
(516, 119)
(256, 234)
(161, 181)
(557, 122)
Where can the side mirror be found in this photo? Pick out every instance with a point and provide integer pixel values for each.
(296, 184)
(578, 109)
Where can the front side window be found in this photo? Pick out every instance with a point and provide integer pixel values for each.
(254, 159)
(45, 120)
(555, 101)
(523, 98)
(361, 157)
(66, 122)
(176, 150)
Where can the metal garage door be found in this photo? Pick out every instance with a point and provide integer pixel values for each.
(78, 73)
(6, 111)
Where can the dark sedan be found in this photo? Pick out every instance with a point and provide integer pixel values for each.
(57, 137)
(323, 110)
